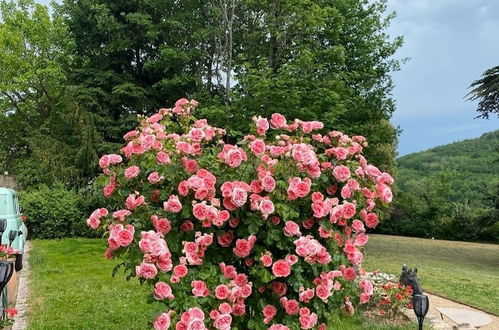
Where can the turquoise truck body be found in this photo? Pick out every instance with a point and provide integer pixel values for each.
(10, 210)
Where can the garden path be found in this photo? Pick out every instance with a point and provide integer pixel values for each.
(21, 319)
(434, 316)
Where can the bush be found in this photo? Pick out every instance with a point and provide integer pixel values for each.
(54, 212)
(265, 233)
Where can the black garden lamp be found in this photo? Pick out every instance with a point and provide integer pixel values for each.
(12, 236)
(3, 226)
(6, 271)
(420, 304)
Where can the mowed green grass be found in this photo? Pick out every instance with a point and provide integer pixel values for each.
(72, 288)
(466, 272)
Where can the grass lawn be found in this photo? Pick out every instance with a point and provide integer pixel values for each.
(467, 272)
(72, 288)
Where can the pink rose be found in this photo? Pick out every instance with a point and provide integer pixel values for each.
(291, 259)
(173, 204)
(361, 239)
(225, 308)
(104, 161)
(243, 248)
(226, 239)
(162, 291)
(257, 147)
(199, 289)
(358, 226)
(269, 311)
(349, 274)
(186, 226)
(146, 270)
(279, 288)
(223, 322)
(278, 121)
(364, 298)
(163, 158)
(291, 307)
(266, 206)
(371, 220)
(317, 197)
(262, 125)
(154, 177)
(241, 279)
(349, 210)
(162, 322)
(239, 196)
(281, 268)
(109, 189)
(121, 214)
(266, 260)
(322, 292)
(341, 173)
(180, 271)
(222, 292)
(268, 183)
(124, 238)
(162, 225)
(132, 172)
(93, 222)
(291, 229)
(308, 321)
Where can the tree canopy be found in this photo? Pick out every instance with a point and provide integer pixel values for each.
(96, 64)
(486, 92)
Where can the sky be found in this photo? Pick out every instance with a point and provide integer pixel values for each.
(450, 44)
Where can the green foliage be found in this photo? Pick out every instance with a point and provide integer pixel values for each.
(486, 91)
(44, 136)
(54, 212)
(318, 60)
(449, 192)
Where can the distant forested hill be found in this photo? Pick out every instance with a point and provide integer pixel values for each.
(449, 192)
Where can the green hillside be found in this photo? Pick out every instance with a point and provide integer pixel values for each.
(449, 192)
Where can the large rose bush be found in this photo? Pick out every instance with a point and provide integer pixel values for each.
(266, 233)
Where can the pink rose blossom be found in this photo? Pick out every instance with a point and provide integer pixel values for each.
(146, 271)
(341, 173)
(281, 268)
(277, 121)
(132, 172)
(162, 291)
(162, 322)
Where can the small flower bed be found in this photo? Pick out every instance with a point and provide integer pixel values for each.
(389, 298)
(264, 233)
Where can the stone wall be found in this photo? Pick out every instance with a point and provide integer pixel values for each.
(8, 182)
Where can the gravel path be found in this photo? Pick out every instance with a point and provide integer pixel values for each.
(21, 320)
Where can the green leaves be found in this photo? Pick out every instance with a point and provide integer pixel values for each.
(261, 275)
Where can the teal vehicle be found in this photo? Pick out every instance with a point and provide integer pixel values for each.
(13, 231)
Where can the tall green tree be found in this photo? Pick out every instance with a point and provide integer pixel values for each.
(486, 92)
(133, 57)
(42, 130)
(325, 60)
(317, 60)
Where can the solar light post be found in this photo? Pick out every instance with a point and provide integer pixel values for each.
(420, 304)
